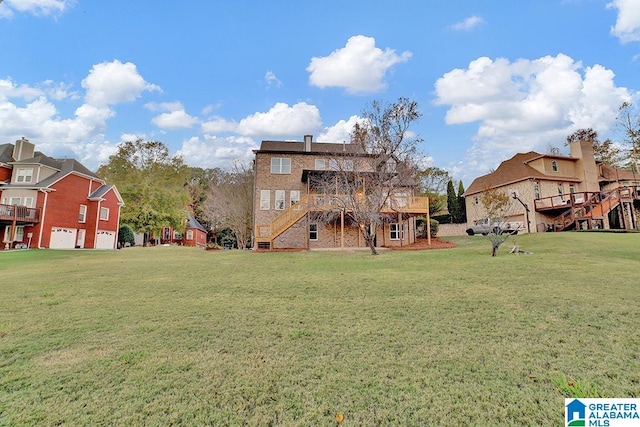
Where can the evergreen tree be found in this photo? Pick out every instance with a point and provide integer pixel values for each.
(452, 202)
(462, 205)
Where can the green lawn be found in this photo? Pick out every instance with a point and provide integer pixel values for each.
(453, 337)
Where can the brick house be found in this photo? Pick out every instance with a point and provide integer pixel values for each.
(286, 199)
(194, 234)
(54, 203)
(556, 193)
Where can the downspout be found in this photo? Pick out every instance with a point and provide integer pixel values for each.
(115, 244)
(95, 231)
(44, 211)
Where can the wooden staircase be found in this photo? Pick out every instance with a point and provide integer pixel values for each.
(596, 207)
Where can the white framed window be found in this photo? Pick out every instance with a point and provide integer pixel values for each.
(554, 165)
(294, 197)
(104, 214)
(347, 165)
(28, 202)
(572, 188)
(560, 189)
(536, 190)
(24, 175)
(396, 231)
(189, 234)
(333, 165)
(177, 235)
(82, 214)
(280, 165)
(476, 201)
(265, 200)
(19, 233)
(279, 200)
(313, 231)
(15, 201)
(320, 165)
(391, 166)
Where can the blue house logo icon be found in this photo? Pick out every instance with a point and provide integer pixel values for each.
(575, 413)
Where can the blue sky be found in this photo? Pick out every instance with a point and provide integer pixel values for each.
(211, 79)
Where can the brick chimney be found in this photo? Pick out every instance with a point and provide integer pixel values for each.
(586, 164)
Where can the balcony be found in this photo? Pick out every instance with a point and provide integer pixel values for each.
(19, 214)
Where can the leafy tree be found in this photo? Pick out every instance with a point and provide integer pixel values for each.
(126, 235)
(229, 203)
(152, 185)
(382, 169)
(200, 181)
(433, 184)
(607, 152)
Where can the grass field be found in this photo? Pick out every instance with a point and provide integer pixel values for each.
(452, 337)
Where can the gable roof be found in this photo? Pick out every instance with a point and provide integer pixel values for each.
(516, 169)
(6, 153)
(101, 191)
(63, 167)
(193, 223)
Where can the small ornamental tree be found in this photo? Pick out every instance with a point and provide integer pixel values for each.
(126, 235)
(496, 204)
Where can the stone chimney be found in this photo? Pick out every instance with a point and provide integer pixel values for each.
(586, 167)
(307, 142)
(23, 149)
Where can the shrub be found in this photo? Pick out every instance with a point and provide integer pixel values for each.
(125, 235)
(433, 227)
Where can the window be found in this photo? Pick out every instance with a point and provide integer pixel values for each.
(396, 231)
(265, 200)
(19, 233)
(572, 188)
(320, 165)
(15, 201)
(279, 200)
(333, 165)
(347, 165)
(82, 215)
(28, 202)
(554, 165)
(281, 165)
(313, 231)
(189, 234)
(24, 175)
(294, 197)
(536, 190)
(391, 166)
(560, 189)
(104, 214)
(476, 201)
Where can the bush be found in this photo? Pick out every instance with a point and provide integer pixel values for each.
(125, 235)
(433, 227)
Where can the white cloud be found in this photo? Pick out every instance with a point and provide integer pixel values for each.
(272, 80)
(9, 89)
(110, 83)
(178, 119)
(468, 24)
(526, 104)
(213, 151)
(340, 132)
(359, 67)
(34, 7)
(219, 125)
(627, 27)
(282, 120)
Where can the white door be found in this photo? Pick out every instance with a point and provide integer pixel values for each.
(80, 240)
(105, 239)
(62, 238)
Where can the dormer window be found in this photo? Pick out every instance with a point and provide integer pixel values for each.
(24, 175)
(554, 165)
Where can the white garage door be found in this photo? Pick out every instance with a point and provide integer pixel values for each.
(62, 238)
(105, 239)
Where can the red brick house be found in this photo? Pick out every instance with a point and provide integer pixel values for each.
(194, 234)
(54, 203)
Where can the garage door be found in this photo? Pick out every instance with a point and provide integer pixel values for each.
(62, 238)
(105, 239)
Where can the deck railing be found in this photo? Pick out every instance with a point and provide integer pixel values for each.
(21, 214)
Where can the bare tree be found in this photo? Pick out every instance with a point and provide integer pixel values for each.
(377, 172)
(496, 204)
(629, 122)
(229, 203)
